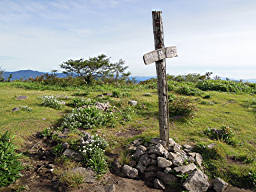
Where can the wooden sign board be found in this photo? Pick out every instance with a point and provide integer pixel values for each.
(159, 54)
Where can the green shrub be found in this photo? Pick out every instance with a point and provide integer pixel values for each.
(224, 134)
(119, 94)
(182, 106)
(88, 118)
(10, 166)
(78, 102)
(51, 101)
(92, 149)
(189, 91)
(225, 86)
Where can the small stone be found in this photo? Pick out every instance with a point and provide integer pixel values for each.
(158, 184)
(163, 163)
(167, 179)
(108, 94)
(130, 172)
(171, 142)
(185, 168)
(177, 148)
(140, 150)
(15, 109)
(21, 97)
(198, 159)
(152, 168)
(196, 182)
(110, 188)
(145, 160)
(176, 159)
(187, 148)
(65, 145)
(132, 102)
(168, 170)
(158, 150)
(43, 119)
(137, 142)
(219, 185)
(72, 154)
(211, 146)
(153, 156)
(140, 167)
(132, 148)
(147, 94)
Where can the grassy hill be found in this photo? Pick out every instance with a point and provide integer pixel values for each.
(217, 105)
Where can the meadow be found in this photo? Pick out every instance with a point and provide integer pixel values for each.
(206, 107)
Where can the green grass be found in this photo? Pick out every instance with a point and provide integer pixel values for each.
(226, 109)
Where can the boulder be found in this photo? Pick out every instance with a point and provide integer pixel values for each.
(163, 163)
(21, 97)
(176, 159)
(197, 182)
(130, 172)
(145, 160)
(219, 185)
(198, 159)
(158, 150)
(140, 167)
(167, 179)
(185, 168)
(168, 170)
(140, 150)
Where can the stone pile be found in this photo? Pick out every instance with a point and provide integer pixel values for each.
(161, 168)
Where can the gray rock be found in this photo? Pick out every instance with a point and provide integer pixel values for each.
(65, 145)
(21, 97)
(137, 142)
(168, 170)
(147, 94)
(156, 141)
(140, 150)
(167, 179)
(177, 148)
(198, 159)
(110, 188)
(211, 146)
(153, 156)
(132, 102)
(171, 142)
(163, 163)
(140, 167)
(130, 172)
(145, 160)
(72, 154)
(176, 159)
(187, 148)
(158, 150)
(185, 168)
(219, 185)
(158, 184)
(15, 109)
(152, 168)
(88, 175)
(196, 182)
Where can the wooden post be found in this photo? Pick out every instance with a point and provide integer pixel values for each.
(161, 78)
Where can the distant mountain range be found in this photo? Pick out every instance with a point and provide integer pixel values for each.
(25, 74)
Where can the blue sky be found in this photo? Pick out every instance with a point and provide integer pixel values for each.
(217, 36)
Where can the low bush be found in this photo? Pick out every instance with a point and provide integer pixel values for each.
(92, 149)
(189, 91)
(51, 101)
(10, 166)
(88, 118)
(224, 134)
(182, 106)
(225, 86)
(78, 102)
(119, 94)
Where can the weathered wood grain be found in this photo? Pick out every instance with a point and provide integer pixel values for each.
(161, 77)
(160, 54)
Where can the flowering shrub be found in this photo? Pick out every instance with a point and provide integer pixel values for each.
(51, 101)
(10, 165)
(78, 102)
(224, 133)
(92, 149)
(88, 118)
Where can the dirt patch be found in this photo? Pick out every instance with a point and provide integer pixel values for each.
(129, 132)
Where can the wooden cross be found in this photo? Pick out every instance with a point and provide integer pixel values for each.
(159, 56)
